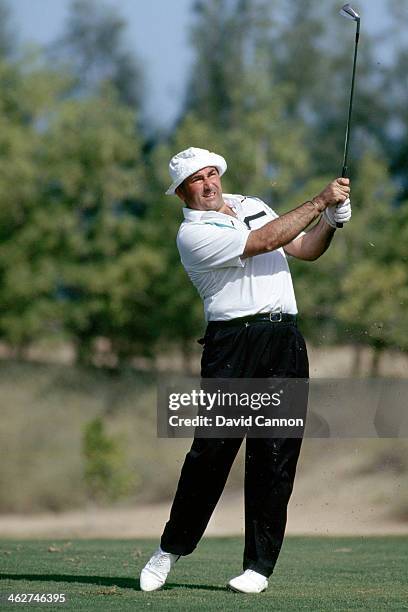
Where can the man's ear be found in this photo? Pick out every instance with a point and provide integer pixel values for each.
(180, 193)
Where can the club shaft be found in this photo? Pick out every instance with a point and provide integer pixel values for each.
(344, 170)
(347, 139)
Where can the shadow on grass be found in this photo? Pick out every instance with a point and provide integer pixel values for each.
(123, 583)
(204, 587)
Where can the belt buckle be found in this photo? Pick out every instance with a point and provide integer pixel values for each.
(275, 317)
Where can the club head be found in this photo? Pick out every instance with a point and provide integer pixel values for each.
(348, 12)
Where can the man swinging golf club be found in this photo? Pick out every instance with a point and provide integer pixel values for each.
(234, 248)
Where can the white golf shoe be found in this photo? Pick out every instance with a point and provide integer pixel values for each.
(249, 582)
(155, 572)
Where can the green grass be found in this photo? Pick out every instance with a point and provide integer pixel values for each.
(313, 574)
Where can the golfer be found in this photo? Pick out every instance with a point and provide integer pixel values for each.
(234, 249)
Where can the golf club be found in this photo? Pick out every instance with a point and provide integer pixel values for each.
(348, 12)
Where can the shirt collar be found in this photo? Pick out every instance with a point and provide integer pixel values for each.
(190, 214)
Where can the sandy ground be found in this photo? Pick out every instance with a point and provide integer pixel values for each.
(317, 517)
(333, 495)
(328, 499)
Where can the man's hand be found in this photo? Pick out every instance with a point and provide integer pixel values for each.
(338, 214)
(334, 193)
(286, 229)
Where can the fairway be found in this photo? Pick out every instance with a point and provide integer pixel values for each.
(314, 573)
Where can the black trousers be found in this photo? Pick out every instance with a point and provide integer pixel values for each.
(258, 350)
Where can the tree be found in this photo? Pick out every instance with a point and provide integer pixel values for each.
(311, 57)
(221, 35)
(360, 294)
(6, 33)
(27, 274)
(288, 48)
(375, 288)
(71, 236)
(93, 47)
(395, 84)
(94, 173)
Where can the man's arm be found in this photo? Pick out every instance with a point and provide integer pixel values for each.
(315, 242)
(312, 244)
(279, 232)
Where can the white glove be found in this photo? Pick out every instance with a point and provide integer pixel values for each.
(338, 214)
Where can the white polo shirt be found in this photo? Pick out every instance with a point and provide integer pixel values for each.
(210, 245)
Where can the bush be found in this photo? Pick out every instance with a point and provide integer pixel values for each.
(106, 476)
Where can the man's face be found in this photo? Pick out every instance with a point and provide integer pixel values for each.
(202, 190)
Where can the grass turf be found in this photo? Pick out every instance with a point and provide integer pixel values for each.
(315, 573)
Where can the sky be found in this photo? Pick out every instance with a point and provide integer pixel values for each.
(158, 33)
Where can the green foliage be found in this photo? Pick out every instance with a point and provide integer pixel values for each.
(71, 186)
(360, 293)
(222, 33)
(381, 309)
(94, 159)
(375, 291)
(87, 237)
(375, 287)
(27, 273)
(285, 50)
(105, 472)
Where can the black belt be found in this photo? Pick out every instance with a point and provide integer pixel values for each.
(268, 317)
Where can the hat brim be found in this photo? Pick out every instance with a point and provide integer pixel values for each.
(215, 160)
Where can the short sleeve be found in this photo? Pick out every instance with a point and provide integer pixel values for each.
(276, 216)
(270, 212)
(205, 246)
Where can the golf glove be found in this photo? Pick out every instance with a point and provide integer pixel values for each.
(338, 214)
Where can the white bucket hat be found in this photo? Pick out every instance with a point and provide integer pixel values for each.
(191, 160)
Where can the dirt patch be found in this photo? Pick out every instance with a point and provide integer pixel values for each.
(318, 516)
